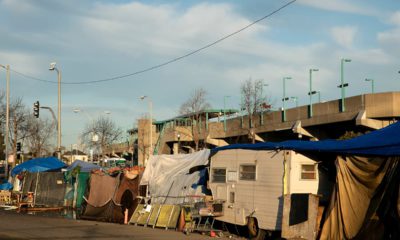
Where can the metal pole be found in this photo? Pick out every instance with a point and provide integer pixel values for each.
(59, 115)
(283, 101)
(310, 93)
(319, 96)
(341, 84)
(7, 67)
(151, 127)
(284, 98)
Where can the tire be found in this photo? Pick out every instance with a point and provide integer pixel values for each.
(254, 231)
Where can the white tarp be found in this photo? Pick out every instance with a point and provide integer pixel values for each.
(168, 178)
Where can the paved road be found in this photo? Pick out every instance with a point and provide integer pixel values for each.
(15, 226)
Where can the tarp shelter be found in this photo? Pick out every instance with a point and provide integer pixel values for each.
(84, 166)
(364, 199)
(169, 179)
(382, 142)
(77, 176)
(48, 188)
(38, 165)
(109, 196)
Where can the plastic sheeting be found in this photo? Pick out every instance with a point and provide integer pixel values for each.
(84, 166)
(361, 186)
(48, 188)
(168, 178)
(38, 165)
(382, 142)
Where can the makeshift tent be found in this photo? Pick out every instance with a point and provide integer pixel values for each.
(169, 179)
(364, 200)
(109, 196)
(38, 165)
(48, 188)
(77, 176)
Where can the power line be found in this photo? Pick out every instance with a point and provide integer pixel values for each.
(167, 62)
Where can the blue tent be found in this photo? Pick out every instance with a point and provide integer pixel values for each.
(382, 142)
(85, 166)
(38, 165)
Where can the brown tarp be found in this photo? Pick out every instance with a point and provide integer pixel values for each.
(361, 186)
(110, 196)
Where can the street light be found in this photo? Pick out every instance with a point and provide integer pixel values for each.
(54, 68)
(150, 123)
(372, 84)
(284, 99)
(225, 97)
(342, 84)
(311, 92)
(7, 68)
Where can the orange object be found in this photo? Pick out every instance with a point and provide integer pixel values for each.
(126, 216)
(212, 234)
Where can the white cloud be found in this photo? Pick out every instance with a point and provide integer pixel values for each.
(344, 36)
(390, 39)
(395, 18)
(341, 6)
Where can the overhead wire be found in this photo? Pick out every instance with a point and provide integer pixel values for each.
(167, 62)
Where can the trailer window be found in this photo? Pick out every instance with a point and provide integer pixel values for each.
(219, 175)
(248, 172)
(308, 172)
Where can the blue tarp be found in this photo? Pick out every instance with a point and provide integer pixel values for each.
(85, 166)
(382, 142)
(38, 165)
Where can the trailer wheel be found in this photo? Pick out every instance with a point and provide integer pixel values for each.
(254, 231)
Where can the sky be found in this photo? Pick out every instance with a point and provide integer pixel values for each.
(94, 40)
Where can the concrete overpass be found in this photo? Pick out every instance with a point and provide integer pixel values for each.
(327, 121)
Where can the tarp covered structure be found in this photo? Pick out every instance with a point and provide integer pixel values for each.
(38, 165)
(169, 179)
(48, 188)
(364, 200)
(382, 142)
(109, 196)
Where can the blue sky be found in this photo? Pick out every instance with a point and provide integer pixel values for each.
(93, 40)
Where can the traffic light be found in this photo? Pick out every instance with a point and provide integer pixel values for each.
(18, 147)
(36, 107)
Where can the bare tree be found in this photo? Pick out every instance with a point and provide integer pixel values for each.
(40, 132)
(253, 103)
(100, 134)
(193, 107)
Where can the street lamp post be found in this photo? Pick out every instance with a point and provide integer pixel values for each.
(225, 97)
(311, 92)
(54, 68)
(7, 67)
(372, 84)
(284, 98)
(150, 124)
(342, 84)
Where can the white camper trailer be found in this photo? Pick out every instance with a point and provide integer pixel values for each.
(252, 184)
